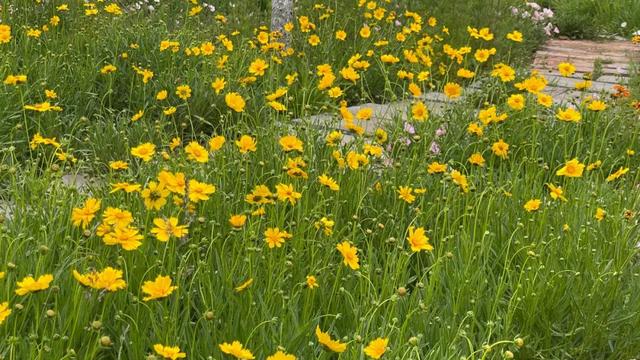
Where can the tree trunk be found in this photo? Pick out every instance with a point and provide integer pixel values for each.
(281, 13)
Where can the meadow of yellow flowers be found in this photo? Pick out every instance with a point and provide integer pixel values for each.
(216, 219)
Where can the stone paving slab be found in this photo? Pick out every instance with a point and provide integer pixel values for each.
(383, 114)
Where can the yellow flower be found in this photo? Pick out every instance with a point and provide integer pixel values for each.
(155, 195)
(389, 59)
(50, 94)
(566, 69)
(260, 195)
(236, 350)
(459, 179)
(176, 183)
(406, 193)
(452, 90)
(246, 143)
(127, 237)
(169, 352)
(164, 229)
(218, 85)
(5, 33)
(534, 84)
(365, 32)
(583, 85)
(333, 138)
(39, 140)
(42, 107)
(341, 35)
(326, 224)
(419, 111)
(569, 115)
(235, 101)
(594, 165)
(505, 72)
(600, 214)
(515, 36)
(500, 148)
(476, 159)
(216, 143)
(15, 79)
(83, 216)
(597, 105)
(137, 116)
(418, 240)
(158, 288)
(195, 10)
(350, 74)
(277, 106)
(516, 102)
(617, 174)
(113, 9)
(237, 221)
(415, 90)
(183, 92)
(169, 111)
(29, 284)
(376, 348)
(325, 339)
(482, 55)
(199, 191)
(556, 192)
(349, 254)
(328, 182)
(465, 74)
(287, 193)
(196, 152)
(117, 217)
(573, 168)
(275, 238)
(4, 308)
(162, 95)
(291, 143)
(484, 33)
(356, 160)
(381, 136)
(364, 114)
(258, 67)
(314, 40)
(108, 69)
(490, 115)
(334, 92)
(244, 285)
(312, 282)
(108, 279)
(281, 355)
(545, 100)
(436, 168)
(532, 205)
(144, 151)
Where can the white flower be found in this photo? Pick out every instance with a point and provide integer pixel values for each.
(534, 6)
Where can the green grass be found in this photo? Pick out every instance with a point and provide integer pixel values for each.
(587, 19)
(501, 282)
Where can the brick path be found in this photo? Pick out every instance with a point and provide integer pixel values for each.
(606, 63)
